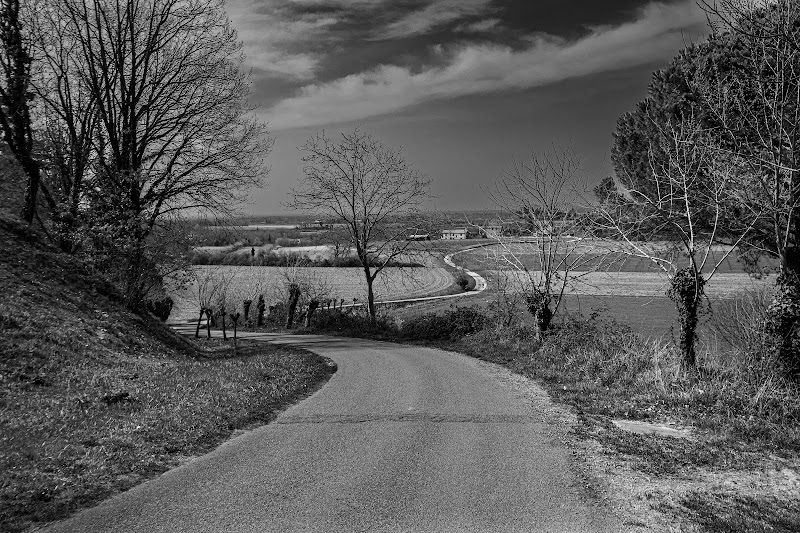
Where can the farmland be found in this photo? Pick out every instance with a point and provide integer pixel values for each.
(590, 255)
(339, 283)
(653, 284)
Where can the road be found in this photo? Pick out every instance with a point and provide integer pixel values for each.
(402, 438)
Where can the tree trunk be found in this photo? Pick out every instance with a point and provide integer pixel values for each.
(371, 299)
(784, 319)
(539, 307)
(134, 286)
(247, 304)
(199, 319)
(31, 190)
(260, 308)
(235, 320)
(224, 332)
(686, 289)
(294, 296)
(312, 306)
(688, 334)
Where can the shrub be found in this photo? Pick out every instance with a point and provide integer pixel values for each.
(277, 313)
(740, 320)
(161, 309)
(454, 324)
(354, 321)
(463, 281)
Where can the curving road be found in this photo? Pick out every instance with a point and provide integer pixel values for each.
(402, 438)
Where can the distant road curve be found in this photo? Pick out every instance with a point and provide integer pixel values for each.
(480, 284)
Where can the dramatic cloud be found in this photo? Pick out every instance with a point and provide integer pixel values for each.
(435, 14)
(468, 69)
(273, 41)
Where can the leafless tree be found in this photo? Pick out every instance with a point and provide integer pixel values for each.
(212, 291)
(166, 77)
(758, 110)
(68, 123)
(541, 248)
(305, 288)
(371, 190)
(678, 222)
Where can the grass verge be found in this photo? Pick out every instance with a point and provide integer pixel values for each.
(78, 430)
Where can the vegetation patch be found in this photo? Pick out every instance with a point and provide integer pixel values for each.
(95, 399)
(742, 514)
(79, 429)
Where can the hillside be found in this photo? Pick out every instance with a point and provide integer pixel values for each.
(95, 399)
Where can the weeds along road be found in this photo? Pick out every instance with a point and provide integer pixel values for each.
(402, 438)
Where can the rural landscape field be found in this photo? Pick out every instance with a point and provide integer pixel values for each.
(425, 266)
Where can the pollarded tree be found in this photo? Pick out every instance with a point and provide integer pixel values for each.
(167, 80)
(370, 190)
(678, 220)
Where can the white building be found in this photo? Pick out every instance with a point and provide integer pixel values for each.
(456, 234)
(494, 229)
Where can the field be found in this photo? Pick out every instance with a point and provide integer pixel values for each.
(653, 284)
(339, 283)
(593, 255)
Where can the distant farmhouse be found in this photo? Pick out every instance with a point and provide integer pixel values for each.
(493, 229)
(455, 234)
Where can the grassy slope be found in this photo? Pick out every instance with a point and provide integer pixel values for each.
(94, 400)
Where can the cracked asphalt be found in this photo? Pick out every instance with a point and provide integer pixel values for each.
(402, 438)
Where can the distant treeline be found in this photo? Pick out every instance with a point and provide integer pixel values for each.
(281, 260)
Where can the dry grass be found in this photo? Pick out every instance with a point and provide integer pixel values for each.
(94, 400)
(77, 430)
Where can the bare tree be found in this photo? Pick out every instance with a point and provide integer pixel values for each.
(305, 287)
(758, 109)
(212, 288)
(166, 77)
(678, 221)
(542, 248)
(371, 190)
(68, 120)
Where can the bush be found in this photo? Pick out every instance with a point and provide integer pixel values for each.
(277, 313)
(463, 281)
(354, 321)
(454, 324)
(740, 320)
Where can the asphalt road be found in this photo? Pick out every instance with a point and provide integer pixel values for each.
(401, 439)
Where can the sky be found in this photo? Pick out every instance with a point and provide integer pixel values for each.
(464, 87)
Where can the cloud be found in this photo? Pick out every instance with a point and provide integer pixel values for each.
(295, 67)
(435, 14)
(273, 41)
(479, 27)
(655, 35)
